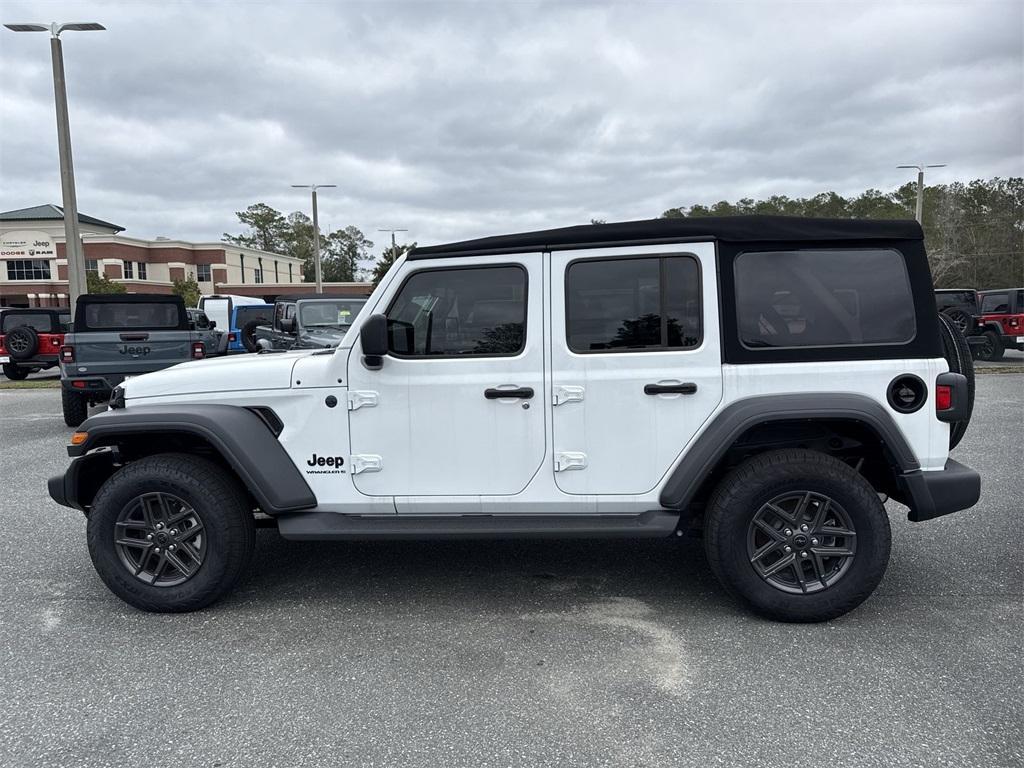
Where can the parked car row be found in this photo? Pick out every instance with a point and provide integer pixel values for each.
(992, 321)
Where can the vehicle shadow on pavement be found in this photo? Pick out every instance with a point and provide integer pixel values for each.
(501, 571)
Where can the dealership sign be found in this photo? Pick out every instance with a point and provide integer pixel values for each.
(27, 244)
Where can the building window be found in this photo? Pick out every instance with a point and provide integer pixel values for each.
(241, 261)
(28, 269)
(142, 270)
(277, 278)
(290, 273)
(92, 265)
(203, 273)
(129, 271)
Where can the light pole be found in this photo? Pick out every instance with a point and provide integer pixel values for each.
(316, 231)
(920, 187)
(392, 231)
(72, 238)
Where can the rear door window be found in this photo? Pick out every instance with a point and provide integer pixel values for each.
(633, 304)
(819, 298)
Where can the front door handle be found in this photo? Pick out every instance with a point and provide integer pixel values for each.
(494, 393)
(689, 388)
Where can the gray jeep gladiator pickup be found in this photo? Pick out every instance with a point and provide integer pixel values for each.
(117, 336)
(303, 322)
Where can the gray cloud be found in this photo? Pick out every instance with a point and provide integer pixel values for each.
(463, 119)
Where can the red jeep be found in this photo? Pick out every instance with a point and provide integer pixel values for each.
(1002, 315)
(30, 340)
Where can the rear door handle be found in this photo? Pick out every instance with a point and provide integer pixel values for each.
(689, 388)
(494, 393)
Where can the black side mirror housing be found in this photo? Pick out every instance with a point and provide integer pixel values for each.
(288, 325)
(213, 324)
(373, 337)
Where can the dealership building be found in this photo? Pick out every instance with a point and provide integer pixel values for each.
(34, 268)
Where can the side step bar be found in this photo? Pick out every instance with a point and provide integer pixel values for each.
(318, 525)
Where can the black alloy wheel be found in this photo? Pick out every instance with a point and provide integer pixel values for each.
(801, 542)
(160, 539)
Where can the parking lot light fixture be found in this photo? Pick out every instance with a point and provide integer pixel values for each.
(72, 238)
(316, 231)
(920, 187)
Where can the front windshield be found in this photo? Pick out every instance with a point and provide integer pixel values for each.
(329, 313)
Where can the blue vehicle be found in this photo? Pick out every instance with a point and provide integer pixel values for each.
(233, 312)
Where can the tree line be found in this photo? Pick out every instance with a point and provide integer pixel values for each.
(346, 254)
(974, 232)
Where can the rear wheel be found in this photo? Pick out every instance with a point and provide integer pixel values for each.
(171, 533)
(75, 407)
(958, 356)
(15, 372)
(961, 320)
(797, 535)
(991, 348)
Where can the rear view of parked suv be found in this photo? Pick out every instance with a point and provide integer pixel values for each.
(768, 381)
(30, 340)
(1002, 317)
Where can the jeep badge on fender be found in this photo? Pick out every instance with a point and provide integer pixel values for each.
(769, 379)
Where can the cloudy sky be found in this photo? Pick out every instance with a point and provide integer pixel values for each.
(462, 119)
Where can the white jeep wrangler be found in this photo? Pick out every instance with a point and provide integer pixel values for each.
(767, 380)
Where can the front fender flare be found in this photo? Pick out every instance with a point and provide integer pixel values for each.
(240, 436)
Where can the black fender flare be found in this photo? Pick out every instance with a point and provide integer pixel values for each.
(242, 437)
(735, 419)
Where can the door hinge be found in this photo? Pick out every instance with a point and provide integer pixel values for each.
(365, 462)
(570, 460)
(567, 394)
(358, 399)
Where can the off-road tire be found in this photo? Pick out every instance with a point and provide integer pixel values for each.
(15, 372)
(216, 497)
(745, 490)
(22, 342)
(993, 349)
(958, 354)
(249, 335)
(75, 407)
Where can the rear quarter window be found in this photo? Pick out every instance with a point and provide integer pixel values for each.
(41, 323)
(245, 314)
(823, 298)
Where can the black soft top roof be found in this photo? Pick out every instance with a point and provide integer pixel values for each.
(736, 229)
(130, 298)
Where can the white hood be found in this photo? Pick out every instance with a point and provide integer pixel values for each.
(221, 374)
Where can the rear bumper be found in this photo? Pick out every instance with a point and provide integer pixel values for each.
(93, 385)
(1013, 341)
(934, 494)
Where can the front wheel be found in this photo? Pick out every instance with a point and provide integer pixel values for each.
(15, 372)
(797, 535)
(171, 533)
(74, 406)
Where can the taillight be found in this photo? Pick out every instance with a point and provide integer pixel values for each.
(198, 350)
(67, 354)
(943, 397)
(55, 342)
(79, 384)
(232, 336)
(1014, 322)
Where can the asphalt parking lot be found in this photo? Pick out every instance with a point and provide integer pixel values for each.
(600, 653)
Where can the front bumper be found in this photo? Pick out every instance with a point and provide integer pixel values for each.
(934, 494)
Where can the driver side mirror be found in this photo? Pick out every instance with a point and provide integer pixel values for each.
(212, 325)
(373, 337)
(288, 325)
